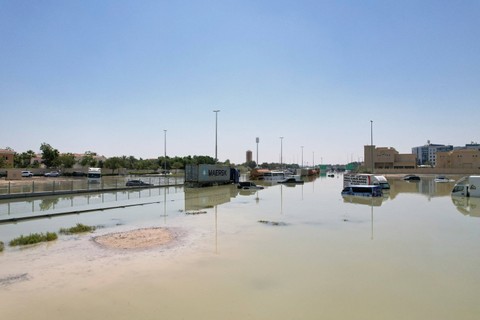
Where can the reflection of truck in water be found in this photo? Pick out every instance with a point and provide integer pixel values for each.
(94, 175)
(203, 175)
(467, 187)
(203, 198)
(365, 179)
(467, 206)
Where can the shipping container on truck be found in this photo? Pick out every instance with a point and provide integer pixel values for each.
(203, 175)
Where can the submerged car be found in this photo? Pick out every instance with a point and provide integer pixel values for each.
(246, 185)
(295, 179)
(411, 177)
(442, 179)
(137, 183)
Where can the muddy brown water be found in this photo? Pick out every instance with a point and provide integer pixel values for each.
(414, 254)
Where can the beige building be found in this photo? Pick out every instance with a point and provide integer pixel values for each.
(7, 155)
(459, 159)
(388, 158)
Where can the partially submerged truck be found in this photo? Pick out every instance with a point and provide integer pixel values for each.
(365, 179)
(204, 175)
(468, 186)
(94, 175)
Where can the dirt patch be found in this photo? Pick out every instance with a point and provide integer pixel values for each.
(137, 239)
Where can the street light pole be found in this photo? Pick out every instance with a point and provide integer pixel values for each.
(257, 140)
(165, 149)
(216, 122)
(302, 158)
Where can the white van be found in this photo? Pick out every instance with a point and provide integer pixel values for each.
(467, 187)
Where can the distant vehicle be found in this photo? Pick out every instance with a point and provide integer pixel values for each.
(411, 177)
(331, 174)
(274, 175)
(27, 174)
(442, 179)
(246, 185)
(294, 179)
(467, 187)
(137, 183)
(362, 191)
(52, 174)
(94, 175)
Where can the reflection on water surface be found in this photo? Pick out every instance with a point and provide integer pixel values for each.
(413, 255)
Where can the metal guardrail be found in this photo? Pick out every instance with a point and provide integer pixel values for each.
(55, 186)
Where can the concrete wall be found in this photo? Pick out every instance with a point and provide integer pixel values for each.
(431, 171)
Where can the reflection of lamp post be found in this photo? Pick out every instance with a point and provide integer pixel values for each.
(281, 152)
(216, 121)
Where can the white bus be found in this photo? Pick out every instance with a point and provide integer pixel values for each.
(274, 175)
(365, 179)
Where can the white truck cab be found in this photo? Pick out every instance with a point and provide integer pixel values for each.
(467, 187)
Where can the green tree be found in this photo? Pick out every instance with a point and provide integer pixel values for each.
(113, 163)
(24, 159)
(88, 160)
(3, 162)
(251, 164)
(67, 160)
(50, 156)
(178, 165)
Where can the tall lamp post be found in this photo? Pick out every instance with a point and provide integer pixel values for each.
(281, 152)
(257, 140)
(165, 149)
(216, 122)
(371, 144)
(302, 158)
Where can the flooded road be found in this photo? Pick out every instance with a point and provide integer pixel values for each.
(414, 254)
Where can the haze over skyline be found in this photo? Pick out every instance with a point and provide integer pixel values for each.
(111, 76)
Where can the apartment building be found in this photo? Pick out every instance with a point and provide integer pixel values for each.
(427, 154)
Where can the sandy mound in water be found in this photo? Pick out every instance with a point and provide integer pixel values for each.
(136, 239)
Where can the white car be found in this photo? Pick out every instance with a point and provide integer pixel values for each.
(52, 174)
(27, 174)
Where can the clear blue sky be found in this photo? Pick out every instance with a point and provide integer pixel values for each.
(110, 76)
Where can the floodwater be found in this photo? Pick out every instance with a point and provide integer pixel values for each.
(414, 254)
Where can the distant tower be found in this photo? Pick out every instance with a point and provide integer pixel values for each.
(249, 155)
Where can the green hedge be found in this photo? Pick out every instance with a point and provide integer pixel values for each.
(33, 238)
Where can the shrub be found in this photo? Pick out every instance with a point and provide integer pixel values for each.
(33, 238)
(79, 228)
(2, 246)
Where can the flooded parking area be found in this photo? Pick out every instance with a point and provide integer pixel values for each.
(284, 252)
